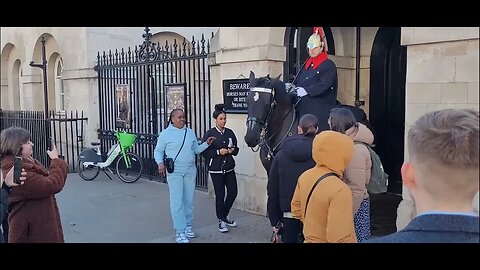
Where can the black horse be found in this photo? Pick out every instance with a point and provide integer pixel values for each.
(272, 116)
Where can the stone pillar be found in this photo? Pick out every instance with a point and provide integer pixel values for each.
(235, 52)
(442, 72)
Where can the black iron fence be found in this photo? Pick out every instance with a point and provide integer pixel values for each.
(139, 86)
(66, 129)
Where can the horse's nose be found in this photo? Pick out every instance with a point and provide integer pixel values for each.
(251, 142)
(251, 139)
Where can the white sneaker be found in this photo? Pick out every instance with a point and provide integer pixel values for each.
(181, 238)
(189, 232)
(222, 226)
(230, 223)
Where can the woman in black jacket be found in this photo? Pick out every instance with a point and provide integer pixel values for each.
(221, 165)
(294, 158)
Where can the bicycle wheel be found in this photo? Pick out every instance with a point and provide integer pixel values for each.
(130, 169)
(87, 173)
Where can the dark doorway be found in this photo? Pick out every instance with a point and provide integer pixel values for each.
(387, 101)
(296, 43)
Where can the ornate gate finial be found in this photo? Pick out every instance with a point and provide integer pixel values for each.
(147, 34)
(148, 52)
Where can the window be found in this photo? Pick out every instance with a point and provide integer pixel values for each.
(59, 91)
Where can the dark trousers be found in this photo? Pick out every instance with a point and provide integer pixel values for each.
(292, 227)
(4, 216)
(220, 181)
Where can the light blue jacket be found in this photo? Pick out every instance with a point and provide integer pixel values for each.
(170, 140)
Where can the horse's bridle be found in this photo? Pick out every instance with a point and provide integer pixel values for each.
(264, 123)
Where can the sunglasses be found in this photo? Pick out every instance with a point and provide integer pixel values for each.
(311, 45)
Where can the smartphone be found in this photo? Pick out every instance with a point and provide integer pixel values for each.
(49, 143)
(17, 170)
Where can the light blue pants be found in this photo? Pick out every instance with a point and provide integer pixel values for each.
(181, 185)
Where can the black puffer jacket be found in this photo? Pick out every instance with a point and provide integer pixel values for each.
(218, 163)
(294, 158)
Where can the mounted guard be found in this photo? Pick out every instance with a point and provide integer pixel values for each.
(316, 81)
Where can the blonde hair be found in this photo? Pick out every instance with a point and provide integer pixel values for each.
(447, 137)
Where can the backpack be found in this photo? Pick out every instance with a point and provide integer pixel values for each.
(379, 178)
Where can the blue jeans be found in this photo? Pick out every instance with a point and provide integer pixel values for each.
(181, 185)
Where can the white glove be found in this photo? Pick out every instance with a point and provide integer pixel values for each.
(301, 91)
(289, 87)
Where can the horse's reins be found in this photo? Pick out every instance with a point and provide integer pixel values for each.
(271, 152)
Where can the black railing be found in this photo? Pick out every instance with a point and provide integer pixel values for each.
(66, 129)
(146, 71)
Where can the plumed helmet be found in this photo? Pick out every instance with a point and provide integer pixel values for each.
(315, 39)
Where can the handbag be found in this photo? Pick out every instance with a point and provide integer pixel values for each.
(300, 237)
(169, 162)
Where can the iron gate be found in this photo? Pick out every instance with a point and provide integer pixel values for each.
(144, 73)
(67, 131)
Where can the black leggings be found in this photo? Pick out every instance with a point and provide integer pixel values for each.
(220, 181)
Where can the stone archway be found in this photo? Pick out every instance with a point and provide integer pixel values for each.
(387, 101)
(171, 39)
(10, 74)
(4, 91)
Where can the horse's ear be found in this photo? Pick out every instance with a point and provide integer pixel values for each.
(268, 76)
(252, 76)
(278, 78)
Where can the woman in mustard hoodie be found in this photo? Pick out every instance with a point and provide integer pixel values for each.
(327, 212)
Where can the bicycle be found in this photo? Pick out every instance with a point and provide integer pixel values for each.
(129, 166)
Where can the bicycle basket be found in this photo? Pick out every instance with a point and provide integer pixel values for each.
(126, 139)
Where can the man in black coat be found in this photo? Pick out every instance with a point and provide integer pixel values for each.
(294, 157)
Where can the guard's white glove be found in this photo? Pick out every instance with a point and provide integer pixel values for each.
(301, 91)
(289, 87)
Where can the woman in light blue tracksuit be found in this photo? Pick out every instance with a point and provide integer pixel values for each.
(181, 182)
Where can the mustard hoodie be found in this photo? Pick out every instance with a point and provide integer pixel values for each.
(329, 216)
